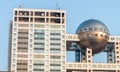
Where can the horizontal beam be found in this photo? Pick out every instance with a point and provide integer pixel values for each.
(93, 66)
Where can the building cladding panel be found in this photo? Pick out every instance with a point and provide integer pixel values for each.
(37, 41)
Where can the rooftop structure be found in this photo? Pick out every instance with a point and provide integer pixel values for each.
(93, 34)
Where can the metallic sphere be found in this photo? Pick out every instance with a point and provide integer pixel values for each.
(93, 34)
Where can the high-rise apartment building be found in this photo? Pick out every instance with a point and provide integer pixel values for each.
(37, 41)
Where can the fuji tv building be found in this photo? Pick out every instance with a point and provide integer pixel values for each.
(38, 43)
(93, 37)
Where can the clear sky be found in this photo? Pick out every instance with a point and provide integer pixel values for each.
(107, 11)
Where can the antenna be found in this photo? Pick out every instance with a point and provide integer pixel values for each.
(21, 5)
(57, 7)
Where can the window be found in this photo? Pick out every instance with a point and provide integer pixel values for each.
(105, 36)
(30, 45)
(55, 57)
(39, 13)
(63, 51)
(39, 50)
(96, 35)
(31, 25)
(63, 46)
(30, 70)
(23, 31)
(101, 35)
(22, 49)
(14, 39)
(31, 19)
(30, 66)
(38, 46)
(88, 51)
(95, 28)
(15, 30)
(39, 26)
(37, 31)
(30, 61)
(14, 45)
(14, 50)
(55, 37)
(90, 29)
(63, 31)
(30, 55)
(47, 20)
(55, 14)
(63, 26)
(30, 40)
(117, 61)
(116, 43)
(31, 13)
(63, 36)
(22, 55)
(117, 52)
(47, 35)
(69, 37)
(47, 51)
(117, 56)
(63, 21)
(47, 26)
(63, 41)
(14, 34)
(31, 30)
(55, 63)
(38, 56)
(15, 25)
(89, 56)
(14, 55)
(31, 35)
(55, 44)
(112, 38)
(13, 66)
(85, 29)
(63, 67)
(13, 61)
(63, 57)
(47, 14)
(15, 12)
(23, 25)
(63, 14)
(55, 26)
(38, 70)
(30, 50)
(55, 51)
(63, 62)
(100, 29)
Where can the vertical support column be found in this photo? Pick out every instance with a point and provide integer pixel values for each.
(83, 58)
(110, 56)
(89, 58)
(117, 54)
(89, 55)
(77, 56)
(110, 53)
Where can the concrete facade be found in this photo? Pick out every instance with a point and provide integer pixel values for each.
(38, 43)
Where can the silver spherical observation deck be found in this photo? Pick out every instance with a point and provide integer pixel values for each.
(93, 34)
